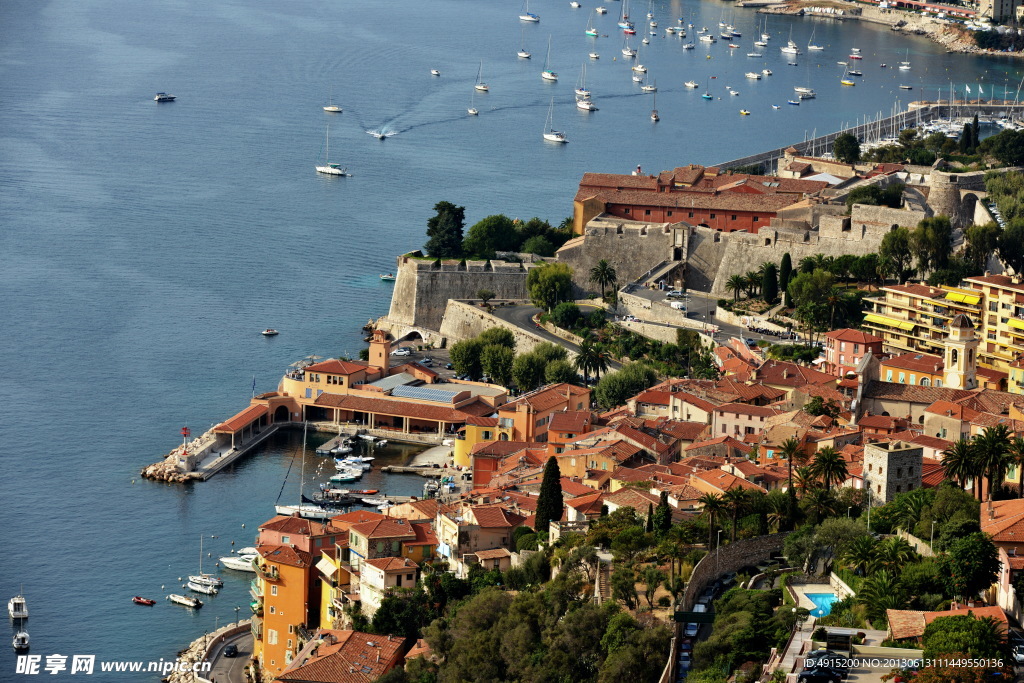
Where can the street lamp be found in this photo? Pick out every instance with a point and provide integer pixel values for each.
(848, 511)
(236, 614)
(931, 543)
(718, 547)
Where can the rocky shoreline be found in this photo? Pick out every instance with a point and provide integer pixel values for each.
(166, 471)
(953, 37)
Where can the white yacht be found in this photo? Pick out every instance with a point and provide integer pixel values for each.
(17, 608)
(551, 135)
(185, 600)
(164, 97)
(305, 510)
(692, 84)
(202, 588)
(242, 563)
(753, 75)
(586, 104)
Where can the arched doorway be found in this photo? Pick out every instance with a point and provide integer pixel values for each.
(281, 414)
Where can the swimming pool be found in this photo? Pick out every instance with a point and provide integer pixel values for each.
(822, 603)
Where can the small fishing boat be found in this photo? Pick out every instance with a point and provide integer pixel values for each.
(139, 600)
(375, 500)
(435, 72)
(753, 75)
(794, 102)
(692, 84)
(164, 97)
(744, 112)
(733, 46)
(202, 588)
(601, 10)
(766, 72)
(20, 641)
(575, 5)
(594, 55)
(389, 277)
(185, 600)
(906, 87)
(775, 106)
(269, 332)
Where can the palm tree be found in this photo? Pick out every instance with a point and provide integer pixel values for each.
(820, 502)
(992, 450)
(599, 363)
(736, 283)
(1016, 451)
(777, 509)
(584, 360)
(805, 479)
(806, 264)
(603, 274)
(735, 500)
(893, 553)
(833, 298)
(712, 507)
(860, 556)
(789, 450)
(753, 282)
(959, 463)
(763, 267)
(829, 467)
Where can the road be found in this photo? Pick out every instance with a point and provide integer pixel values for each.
(231, 669)
(522, 317)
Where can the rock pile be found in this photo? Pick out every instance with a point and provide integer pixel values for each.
(166, 470)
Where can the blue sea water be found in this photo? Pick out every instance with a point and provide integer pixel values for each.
(143, 245)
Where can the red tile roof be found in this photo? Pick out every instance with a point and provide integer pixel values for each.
(494, 554)
(915, 362)
(384, 528)
(392, 407)
(300, 526)
(856, 336)
(334, 366)
(571, 421)
(723, 481)
(547, 397)
(1008, 525)
(285, 554)
(391, 564)
(345, 657)
(242, 419)
(491, 517)
(658, 398)
(482, 421)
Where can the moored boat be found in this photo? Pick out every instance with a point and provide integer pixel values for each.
(269, 332)
(20, 641)
(139, 600)
(202, 588)
(17, 608)
(164, 97)
(242, 563)
(185, 600)
(388, 277)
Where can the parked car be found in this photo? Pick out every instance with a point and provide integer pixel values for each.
(403, 351)
(1018, 654)
(449, 366)
(427, 361)
(675, 292)
(678, 305)
(684, 661)
(231, 650)
(691, 630)
(819, 676)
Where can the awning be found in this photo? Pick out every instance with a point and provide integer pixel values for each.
(1016, 323)
(326, 567)
(888, 322)
(962, 298)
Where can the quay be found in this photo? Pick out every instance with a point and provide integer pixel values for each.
(422, 470)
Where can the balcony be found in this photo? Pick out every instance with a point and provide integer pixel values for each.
(257, 628)
(271, 576)
(255, 590)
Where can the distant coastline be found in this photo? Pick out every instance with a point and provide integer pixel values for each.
(950, 36)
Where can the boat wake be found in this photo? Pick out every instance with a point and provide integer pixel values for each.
(382, 132)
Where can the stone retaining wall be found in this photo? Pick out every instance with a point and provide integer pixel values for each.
(463, 320)
(729, 558)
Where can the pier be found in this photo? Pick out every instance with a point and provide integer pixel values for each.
(873, 130)
(422, 470)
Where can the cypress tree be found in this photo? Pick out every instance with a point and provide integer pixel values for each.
(785, 271)
(769, 284)
(649, 526)
(975, 135)
(966, 139)
(549, 503)
(663, 515)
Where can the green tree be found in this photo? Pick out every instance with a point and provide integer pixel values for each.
(527, 371)
(538, 245)
(819, 406)
(549, 285)
(1007, 147)
(932, 243)
(490, 235)
(982, 240)
(549, 352)
(860, 555)
(960, 464)
(484, 295)
(737, 283)
(770, 284)
(652, 578)
(785, 271)
(549, 502)
(616, 387)
(846, 148)
(465, 357)
(663, 515)
(895, 254)
(976, 638)
(566, 315)
(829, 467)
(970, 565)
(991, 449)
(624, 586)
(966, 140)
(496, 362)
(620, 630)
(603, 275)
(499, 336)
(444, 231)
(1011, 245)
(560, 371)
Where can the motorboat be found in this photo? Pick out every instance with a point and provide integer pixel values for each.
(733, 46)
(755, 55)
(185, 600)
(646, 87)
(775, 106)
(594, 55)
(766, 72)
(435, 72)
(365, 492)
(139, 600)
(241, 563)
(794, 102)
(807, 96)
(387, 277)
(247, 550)
(601, 10)
(17, 608)
(164, 97)
(744, 112)
(638, 78)
(753, 75)
(270, 332)
(707, 38)
(856, 56)
(332, 109)
(855, 72)
(307, 511)
(374, 500)
(906, 87)
(646, 41)
(575, 5)
(20, 641)
(692, 84)
(344, 476)
(367, 437)
(690, 46)
(640, 68)
(202, 588)
(380, 135)
(734, 92)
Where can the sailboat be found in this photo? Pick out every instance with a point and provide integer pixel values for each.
(646, 87)
(328, 168)
(547, 74)
(627, 51)
(331, 106)
(811, 45)
(624, 23)
(654, 111)
(523, 54)
(905, 65)
(585, 103)
(528, 15)
(707, 92)
(763, 42)
(472, 111)
(202, 579)
(307, 510)
(550, 134)
(591, 31)
(581, 85)
(755, 53)
(846, 80)
(791, 47)
(480, 85)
